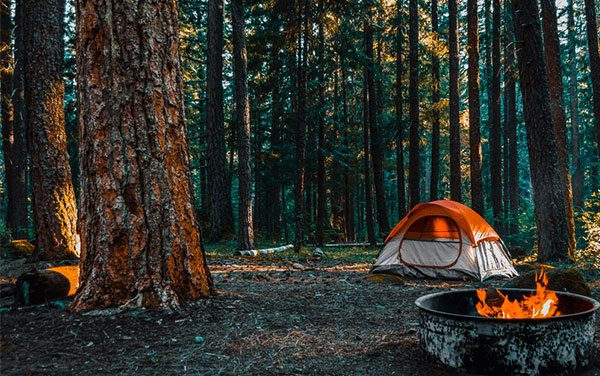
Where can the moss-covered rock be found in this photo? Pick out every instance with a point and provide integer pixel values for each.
(389, 279)
(569, 280)
(18, 248)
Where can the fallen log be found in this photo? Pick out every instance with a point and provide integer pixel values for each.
(266, 251)
(344, 245)
(41, 286)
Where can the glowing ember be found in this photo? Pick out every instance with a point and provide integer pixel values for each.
(543, 303)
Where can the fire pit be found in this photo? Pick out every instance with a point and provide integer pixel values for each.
(452, 332)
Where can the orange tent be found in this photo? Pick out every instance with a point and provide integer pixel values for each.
(444, 239)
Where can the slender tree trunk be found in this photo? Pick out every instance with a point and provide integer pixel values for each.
(594, 56)
(557, 97)
(435, 98)
(577, 179)
(552, 229)
(219, 184)
(139, 233)
(474, 107)
(376, 149)
(276, 111)
(495, 124)
(400, 175)
(368, 195)
(54, 207)
(19, 206)
(349, 173)
(321, 193)
(242, 110)
(301, 130)
(13, 126)
(413, 94)
(455, 175)
(513, 163)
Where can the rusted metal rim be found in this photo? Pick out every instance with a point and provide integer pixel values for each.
(460, 305)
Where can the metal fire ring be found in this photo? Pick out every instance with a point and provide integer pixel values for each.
(452, 333)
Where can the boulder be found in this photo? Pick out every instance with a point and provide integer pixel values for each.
(559, 279)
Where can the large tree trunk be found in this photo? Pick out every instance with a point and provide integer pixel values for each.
(321, 193)
(301, 129)
(553, 233)
(376, 149)
(368, 195)
(242, 110)
(474, 109)
(219, 183)
(435, 98)
(413, 95)
(455, 175)
(495, 125)
(594, 56)
(54, 207)
(399, 120)
(552, 49)
(577, 179)
(139, 233)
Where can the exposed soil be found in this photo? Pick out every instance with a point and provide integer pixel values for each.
(269, 317)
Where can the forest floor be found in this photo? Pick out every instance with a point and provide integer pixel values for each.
(272, 315)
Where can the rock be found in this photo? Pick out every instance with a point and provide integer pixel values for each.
(384, 278)
(297, 266)
(19, 248)
(569, 280)
(319, 253)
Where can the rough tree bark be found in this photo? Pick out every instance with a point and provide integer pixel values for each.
(577, 179)
(455, 175)
(242, 110)
(552, 230)
(494, 123)
(435, 98)
(301, 128)
(376, 149)
(594, 56)
(54, 207)
(219, 183)
(399, 120)
(474, 107)
(140, 237)
(413, 95)
(557, 97)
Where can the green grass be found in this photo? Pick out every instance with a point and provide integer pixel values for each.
(347, 255)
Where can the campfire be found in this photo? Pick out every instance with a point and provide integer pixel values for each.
(508, 331)
(541, 304)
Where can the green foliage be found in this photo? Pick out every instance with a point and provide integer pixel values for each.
(590, 220)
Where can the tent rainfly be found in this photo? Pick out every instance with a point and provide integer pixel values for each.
(444, 239)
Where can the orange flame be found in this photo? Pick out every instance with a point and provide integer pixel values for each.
(543, 303)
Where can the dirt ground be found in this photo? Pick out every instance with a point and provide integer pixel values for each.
(269, 317)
